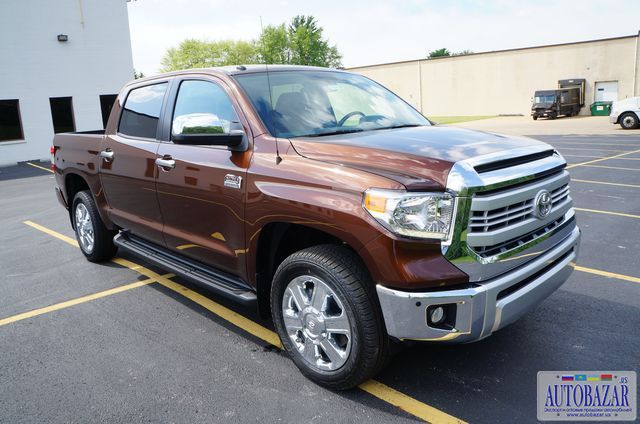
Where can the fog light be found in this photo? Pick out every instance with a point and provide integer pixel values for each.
(436, 315)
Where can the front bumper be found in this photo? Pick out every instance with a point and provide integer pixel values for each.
(613, 118)
(484, 308)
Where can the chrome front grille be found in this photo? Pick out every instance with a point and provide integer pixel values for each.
(505, 220)
(489, 220)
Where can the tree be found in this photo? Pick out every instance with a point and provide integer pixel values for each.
(201, 54)
(273, 45)
(299, 43)
(462, 53)
(439, 53)
(307, 45)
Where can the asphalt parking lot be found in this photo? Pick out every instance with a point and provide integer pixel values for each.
(124, 342)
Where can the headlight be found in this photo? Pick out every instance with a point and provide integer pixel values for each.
(420, 215)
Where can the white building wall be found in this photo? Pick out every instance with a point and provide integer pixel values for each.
(36, 66)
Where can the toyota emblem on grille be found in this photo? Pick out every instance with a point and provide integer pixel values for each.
(543, 204)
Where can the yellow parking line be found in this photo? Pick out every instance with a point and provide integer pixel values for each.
(52, 233)
(605, 183)
(611, 167)
(79, 300)
(122, 262)
(233, 317)
(406, 403)
(39, 167)
(627, 215)
(373, 387)
(600, 160)
(607, 274)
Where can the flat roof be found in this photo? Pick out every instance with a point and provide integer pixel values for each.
(494, 51)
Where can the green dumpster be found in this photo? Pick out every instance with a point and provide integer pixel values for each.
(601, 108)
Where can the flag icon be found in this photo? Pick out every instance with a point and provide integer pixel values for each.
(567, 378)
(581, 377)
(606, 377)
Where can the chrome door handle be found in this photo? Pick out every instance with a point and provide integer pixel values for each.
(166, 163)
(107, 155)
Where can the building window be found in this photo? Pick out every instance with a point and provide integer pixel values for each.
(62, 114)
(10, 123)
(106, 104)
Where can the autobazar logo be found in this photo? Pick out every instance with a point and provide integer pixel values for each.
(587, 396)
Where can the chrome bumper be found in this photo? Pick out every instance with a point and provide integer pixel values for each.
(485, 307)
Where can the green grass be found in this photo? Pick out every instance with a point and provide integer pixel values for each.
(456, 119)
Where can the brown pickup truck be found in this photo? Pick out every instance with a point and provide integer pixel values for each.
(329, 202)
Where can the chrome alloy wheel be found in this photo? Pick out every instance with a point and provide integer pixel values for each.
(84, 228)
(316, 322)
(628, 121)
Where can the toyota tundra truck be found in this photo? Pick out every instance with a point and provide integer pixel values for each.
(326, 201)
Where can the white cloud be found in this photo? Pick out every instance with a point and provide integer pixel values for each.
(370, 31)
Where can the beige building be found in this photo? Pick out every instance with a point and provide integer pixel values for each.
(502, 82)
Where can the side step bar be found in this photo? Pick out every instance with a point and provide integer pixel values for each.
(214, 280)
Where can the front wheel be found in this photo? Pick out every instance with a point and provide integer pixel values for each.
(326, 314)
(94, 239)
(629, 121)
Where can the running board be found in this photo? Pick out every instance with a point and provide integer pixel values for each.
(214, 280)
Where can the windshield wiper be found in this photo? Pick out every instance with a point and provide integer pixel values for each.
(345, 131)
(397, 126)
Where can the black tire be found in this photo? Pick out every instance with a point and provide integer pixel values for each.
(553, 116)
(103, 248)
(535, 117)
(629, 121)
(344, 273)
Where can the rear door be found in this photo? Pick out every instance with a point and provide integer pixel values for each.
(202, 193)
(127, 166)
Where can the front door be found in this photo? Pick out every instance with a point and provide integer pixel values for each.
(201, 194)
(127, 167)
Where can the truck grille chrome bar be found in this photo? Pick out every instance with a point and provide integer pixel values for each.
(498, 224)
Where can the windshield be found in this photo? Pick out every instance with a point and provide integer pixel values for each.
(317, 103)
(546, 98)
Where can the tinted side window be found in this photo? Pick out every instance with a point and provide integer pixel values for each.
(141, 111)
(202, 107)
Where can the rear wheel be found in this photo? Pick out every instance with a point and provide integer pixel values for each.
(328, 319)
(94, 239)
(628, 121)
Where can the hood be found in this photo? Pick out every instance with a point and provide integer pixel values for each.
(631, 102)
(419, 158)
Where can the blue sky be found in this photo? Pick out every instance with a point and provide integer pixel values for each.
(371, 31)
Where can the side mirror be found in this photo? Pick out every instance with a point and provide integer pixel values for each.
(206, 129)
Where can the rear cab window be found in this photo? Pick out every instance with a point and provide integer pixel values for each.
(141, 111)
